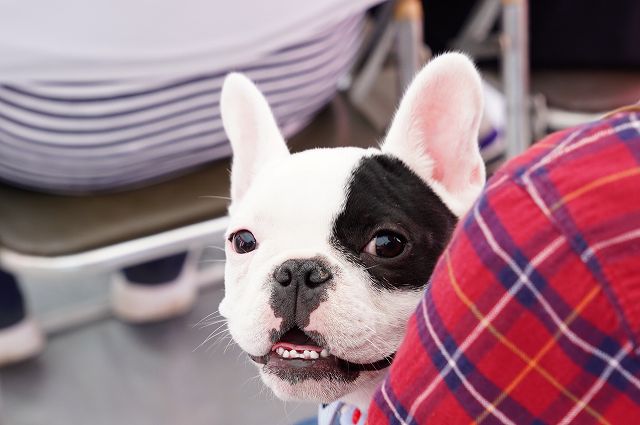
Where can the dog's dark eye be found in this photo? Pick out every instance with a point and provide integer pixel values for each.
(386, 244)
(243, 241)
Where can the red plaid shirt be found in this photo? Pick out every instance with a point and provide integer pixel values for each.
(533, 312)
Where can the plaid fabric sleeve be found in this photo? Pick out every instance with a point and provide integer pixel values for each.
(533, 312)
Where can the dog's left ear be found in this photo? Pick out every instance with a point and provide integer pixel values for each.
(435, 130)
(251, 129)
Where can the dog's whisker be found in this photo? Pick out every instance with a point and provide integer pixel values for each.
(241, 353)
(218, 340)
(375, 346)
(251, 378)
(218, 330)
(208, 326)
(368, 327)
(289, 413)
(211, 336)
(211, 318)
(216, 247)
(229, 344)
(226, 198)
(209, 347)
(209, 323)
(209, 315)
(220, 327)
(212, 322)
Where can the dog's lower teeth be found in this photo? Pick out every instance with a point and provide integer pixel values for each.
(302, 354)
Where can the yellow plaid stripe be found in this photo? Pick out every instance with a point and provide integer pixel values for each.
(550, 343)
(539, 145)
(595, 184)
(512, 347)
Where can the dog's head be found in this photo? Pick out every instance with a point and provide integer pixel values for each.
(329, 250)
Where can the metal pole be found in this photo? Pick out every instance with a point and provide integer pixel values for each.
(515, 69)
(408, 21)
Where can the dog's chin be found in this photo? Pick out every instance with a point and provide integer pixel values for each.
(321, 390)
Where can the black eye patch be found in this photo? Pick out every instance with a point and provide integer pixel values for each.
(384, 194)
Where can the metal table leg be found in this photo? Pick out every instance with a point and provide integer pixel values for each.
(515, 68)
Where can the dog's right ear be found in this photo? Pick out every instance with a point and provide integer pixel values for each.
(251, 129)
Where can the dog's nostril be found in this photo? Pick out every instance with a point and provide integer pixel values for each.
(317, 276)
(283, 276)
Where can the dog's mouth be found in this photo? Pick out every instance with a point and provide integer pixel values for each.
(297, 356)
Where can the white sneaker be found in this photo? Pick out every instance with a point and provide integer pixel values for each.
(20, 342)
(137, 303)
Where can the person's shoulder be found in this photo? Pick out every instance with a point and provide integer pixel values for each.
(574, 158)
(581, 146)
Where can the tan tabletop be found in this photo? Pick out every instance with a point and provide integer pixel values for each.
(592, 91)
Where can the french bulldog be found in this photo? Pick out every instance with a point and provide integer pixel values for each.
(329, 250)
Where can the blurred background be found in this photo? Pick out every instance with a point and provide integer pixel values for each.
(114, 168)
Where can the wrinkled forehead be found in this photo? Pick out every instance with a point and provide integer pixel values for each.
(307, 187)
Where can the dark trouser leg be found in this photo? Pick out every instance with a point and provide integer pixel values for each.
(12, 308)
(156, 272)
(20, 338)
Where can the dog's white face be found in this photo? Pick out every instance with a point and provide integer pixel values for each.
(329, 250)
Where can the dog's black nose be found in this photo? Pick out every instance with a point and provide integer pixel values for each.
(300, 286)
(309, 272)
